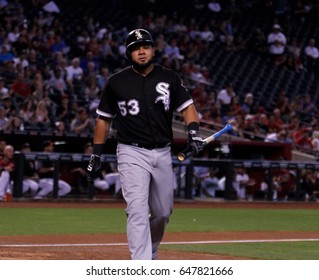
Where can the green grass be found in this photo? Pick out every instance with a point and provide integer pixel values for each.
(38, 221)
(263, 251)
(244, 220)
(33, 221)
(22, 221)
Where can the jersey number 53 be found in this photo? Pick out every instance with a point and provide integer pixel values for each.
(131, 107)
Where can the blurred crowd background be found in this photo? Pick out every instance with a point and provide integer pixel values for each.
(253, 64)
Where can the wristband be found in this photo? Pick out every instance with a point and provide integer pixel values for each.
(193, 126)
(97, 149)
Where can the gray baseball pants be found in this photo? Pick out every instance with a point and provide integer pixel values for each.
(147, 181)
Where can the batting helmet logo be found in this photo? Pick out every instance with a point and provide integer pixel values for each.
(138, 35)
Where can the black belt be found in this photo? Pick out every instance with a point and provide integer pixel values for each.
(146, 146)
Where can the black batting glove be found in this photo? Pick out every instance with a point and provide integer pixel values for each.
(94, 167)
(195, 142)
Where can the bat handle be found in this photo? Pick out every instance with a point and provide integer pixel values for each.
(185, 154)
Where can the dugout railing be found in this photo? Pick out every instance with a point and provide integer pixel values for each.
(185, 191)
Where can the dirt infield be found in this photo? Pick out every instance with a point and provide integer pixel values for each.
(114, 247)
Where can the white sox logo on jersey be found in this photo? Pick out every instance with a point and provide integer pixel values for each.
(162, 89)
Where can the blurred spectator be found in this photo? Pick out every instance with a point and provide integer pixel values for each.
(45, 171)
(4, 121)
(59, 45)
(294, 124)
(62, 110)
(284, 105)
(242, 183)
(293, 57)
(225, 97)
(312, 55)
(235, 107)
(308, 107)
(262, 124)
(57, 81)
(302, 138)
(206, 34)
(103, 76)
(9, 105)
(14, 34)
(91, 89)
(107, 55)
(15, 124)
(277, 42)
(278, 118)
(89, 58)
(310, 184)
(42, 119)
(94, 103)
(81, 123)
(3, 144)
(205, 178)
(21, 87)
(60, 128)
(6, 171)
(5, 54)
(249, 130)
(248, 104)
(200, 95)
(74, 74)
(21, 59)
(315, 143)
(3, 90)
(31, 178)
(280, 136)
(172, 52)
(283, 181)
(227, 34)
(196, 75)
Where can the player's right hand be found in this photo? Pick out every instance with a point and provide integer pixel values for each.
(93, 168)
(195, 142)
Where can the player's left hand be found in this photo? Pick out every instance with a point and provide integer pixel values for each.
(195, 142)
(94, 168)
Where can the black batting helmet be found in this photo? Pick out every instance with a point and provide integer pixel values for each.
(137, 36)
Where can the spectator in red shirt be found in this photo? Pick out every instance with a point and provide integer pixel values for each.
(302, 138)
(20, 87)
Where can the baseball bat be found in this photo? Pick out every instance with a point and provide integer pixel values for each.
(188, 151)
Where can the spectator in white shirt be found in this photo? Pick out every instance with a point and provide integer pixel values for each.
(74, 73)
(312, 55)
(277, 42)
(225, 97)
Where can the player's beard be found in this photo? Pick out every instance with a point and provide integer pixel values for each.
(140, 67)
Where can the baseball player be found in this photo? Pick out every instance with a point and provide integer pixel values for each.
(141, 100)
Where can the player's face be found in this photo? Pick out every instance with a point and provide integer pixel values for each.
(142, 55)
